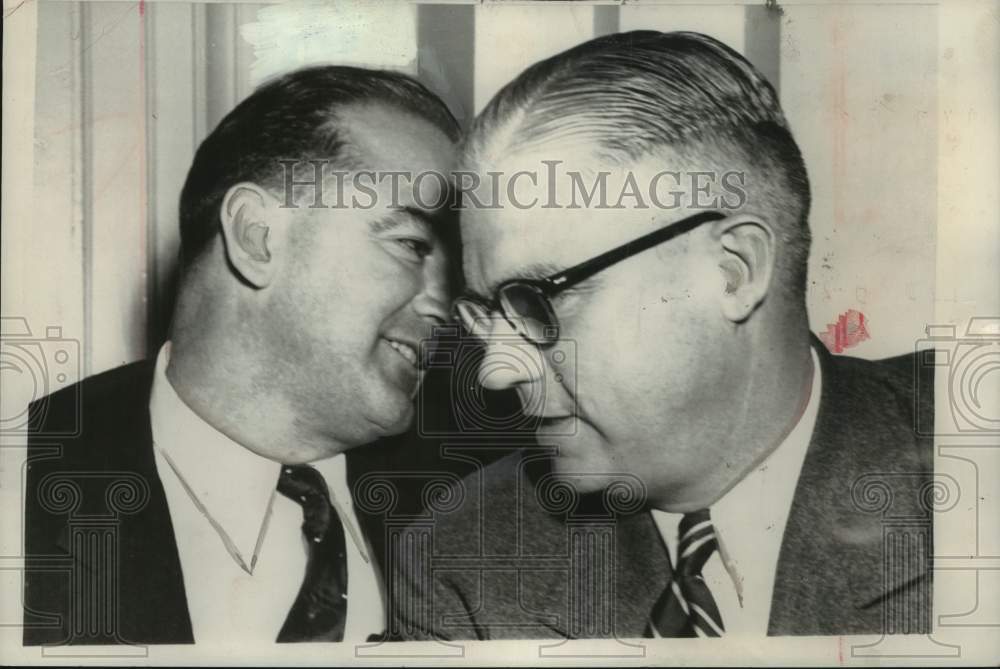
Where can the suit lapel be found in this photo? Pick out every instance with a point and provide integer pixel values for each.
(830, 570)
(643, 571)
(150, 561)
(152, 605)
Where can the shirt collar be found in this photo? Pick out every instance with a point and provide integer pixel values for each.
(231, 482)
(239, 500)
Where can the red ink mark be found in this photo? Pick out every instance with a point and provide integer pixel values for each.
(848, 331)
(840, 650)
(142, 7)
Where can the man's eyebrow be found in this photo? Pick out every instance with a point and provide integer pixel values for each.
(532, 272)
(401, 216)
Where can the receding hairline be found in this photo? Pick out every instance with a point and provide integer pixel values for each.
(354, 124)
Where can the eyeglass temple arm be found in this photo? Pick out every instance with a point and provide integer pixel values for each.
(588, 268)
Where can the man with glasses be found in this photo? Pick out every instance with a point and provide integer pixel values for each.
(747, 449)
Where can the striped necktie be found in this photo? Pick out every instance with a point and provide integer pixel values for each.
(686, 607)
(320, 609)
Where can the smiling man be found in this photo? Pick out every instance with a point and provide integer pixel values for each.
(708, 452)
(293, 347)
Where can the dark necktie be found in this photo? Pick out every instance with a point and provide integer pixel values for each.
(686, 607)
(320, 609)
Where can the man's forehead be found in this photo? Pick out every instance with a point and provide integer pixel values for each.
(387, 139)
(395, 160)
(518, 230)
(494, 253)
(503, 244)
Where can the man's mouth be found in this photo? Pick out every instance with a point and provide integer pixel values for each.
(404, 350)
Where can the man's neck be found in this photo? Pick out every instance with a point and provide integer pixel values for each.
(775, 399)
(227, 389)
(767, 405)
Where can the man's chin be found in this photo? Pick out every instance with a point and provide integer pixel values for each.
(576, 488)
(395, 422)
(581, 465)
(395, 399)
(579, 454)
(584, 479)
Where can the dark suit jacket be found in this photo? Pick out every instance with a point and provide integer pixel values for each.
(523, 557)
(101, 561)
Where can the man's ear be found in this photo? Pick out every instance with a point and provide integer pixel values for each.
(747, 264)
(251, 231)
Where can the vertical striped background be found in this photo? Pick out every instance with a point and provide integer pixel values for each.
(124, 92)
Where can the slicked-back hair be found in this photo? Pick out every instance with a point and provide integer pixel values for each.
(293, 117)
(642, 94)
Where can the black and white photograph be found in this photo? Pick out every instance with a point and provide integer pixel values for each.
(419, 332)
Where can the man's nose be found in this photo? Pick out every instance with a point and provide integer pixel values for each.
(509, 360)
(434, 301)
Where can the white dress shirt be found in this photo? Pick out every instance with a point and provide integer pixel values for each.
(749, 521)
(237, 488)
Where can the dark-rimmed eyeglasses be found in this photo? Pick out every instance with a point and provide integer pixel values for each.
(526, 304)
